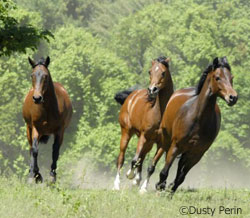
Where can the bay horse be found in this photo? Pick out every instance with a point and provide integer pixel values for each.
(192, 120)
(141, 114)
(47, 110)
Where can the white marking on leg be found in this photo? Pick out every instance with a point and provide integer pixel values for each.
(144, 186)
(137, 179)
(117, 182)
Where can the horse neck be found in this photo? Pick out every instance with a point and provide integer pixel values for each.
(50, 100)
(165, 94)
(206, 101)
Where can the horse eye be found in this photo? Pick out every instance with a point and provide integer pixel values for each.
(217, 78)
(163, 74)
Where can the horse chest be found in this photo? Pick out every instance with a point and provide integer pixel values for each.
(45, 124)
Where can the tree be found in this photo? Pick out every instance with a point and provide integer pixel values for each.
(15, 37)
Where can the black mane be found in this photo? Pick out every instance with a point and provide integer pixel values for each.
(162, 60)
(222, 62)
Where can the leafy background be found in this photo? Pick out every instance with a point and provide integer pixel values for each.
(98, 47)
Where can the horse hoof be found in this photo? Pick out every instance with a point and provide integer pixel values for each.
(30, 180)
(136, 182)
(52, 177)
(38, 178)
(130, 174)
(160, 186)
(143, 191)
(116, 188)
(171, 185)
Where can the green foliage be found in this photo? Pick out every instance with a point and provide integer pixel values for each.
(17, 37)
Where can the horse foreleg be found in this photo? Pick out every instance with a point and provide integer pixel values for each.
(171, 155)
(186, 162)
(34, 170)
(146, 148)
(159, 152)
(120, 160)
(137, 159)
(58, 138)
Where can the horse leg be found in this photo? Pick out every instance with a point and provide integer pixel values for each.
(34, 170)
(58, 138)
(146, 148)
(126, 136)
(136, 160)
(159, 152)
(171, 155)
(186, 162)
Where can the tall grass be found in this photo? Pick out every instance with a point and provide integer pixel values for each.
(18, 199)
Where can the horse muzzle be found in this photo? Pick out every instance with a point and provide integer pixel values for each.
(38, 99)
(231, 100)
(153, 92)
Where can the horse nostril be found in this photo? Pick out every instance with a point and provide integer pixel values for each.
(233, 98)
(37, 99)
(155, 89)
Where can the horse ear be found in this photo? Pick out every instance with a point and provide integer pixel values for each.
(32, 63)
(47, 61)
(216, 62)
(153, 62)
(168, 59)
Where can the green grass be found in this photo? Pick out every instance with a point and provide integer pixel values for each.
(18, 199)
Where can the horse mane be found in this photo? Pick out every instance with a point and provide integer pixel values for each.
(162, 60)
(210, 68)
(41, 61)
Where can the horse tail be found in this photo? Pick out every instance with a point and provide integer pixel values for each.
(120, 97)
(44, 139)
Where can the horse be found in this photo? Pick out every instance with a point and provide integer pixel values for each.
(47, 110)
(141, 114)
(192, 120)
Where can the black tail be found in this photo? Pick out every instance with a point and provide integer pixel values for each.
(44, 139)
(120, 97)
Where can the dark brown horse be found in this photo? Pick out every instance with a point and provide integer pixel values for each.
(141, 114)
(47, 110)
(192, 119)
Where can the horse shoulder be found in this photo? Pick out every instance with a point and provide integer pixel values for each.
(129, 108)
(175, 106)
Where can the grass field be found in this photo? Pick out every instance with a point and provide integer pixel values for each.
(18, 199)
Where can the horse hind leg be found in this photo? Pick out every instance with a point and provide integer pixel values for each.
(125, 138)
